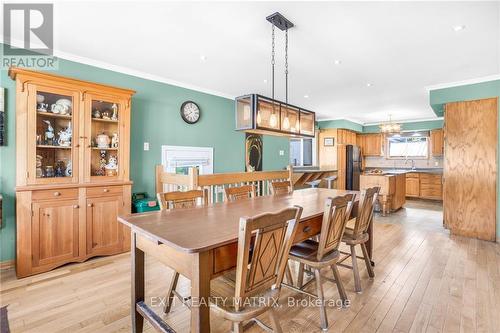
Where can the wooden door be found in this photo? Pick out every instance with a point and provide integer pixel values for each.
(104, 233)
(437, 142)
(54, 232)
(412, 187)
(470, 168)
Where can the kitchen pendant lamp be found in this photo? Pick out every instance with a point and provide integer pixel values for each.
(266, 115)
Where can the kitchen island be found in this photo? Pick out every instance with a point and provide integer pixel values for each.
(392, 195)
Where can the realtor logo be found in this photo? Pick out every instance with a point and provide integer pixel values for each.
(28, 29)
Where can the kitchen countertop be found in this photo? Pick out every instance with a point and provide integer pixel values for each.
(392, 171)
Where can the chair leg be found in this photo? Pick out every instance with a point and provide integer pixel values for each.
(300, 276)
(170, 293)
(275, 324)
(322, 309)
(368, 263)
(355, 270)
(340, 285)
(238, 327)
(288, 273)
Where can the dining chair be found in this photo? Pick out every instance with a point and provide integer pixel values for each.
(254, 287)
(182, 199)
(281, 187)
(176, 200)
(358, 235)
(240, 192)
(325, 253)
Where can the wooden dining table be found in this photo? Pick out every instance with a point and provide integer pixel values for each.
(201, 243)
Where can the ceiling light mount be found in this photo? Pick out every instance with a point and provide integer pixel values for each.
(280, 21)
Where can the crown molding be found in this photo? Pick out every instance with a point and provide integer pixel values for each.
(134, 72)
(464, 82)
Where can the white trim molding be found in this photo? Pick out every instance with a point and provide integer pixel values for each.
(464, 82)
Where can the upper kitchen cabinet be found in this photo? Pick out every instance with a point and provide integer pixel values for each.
(437, 142)
(371, 144)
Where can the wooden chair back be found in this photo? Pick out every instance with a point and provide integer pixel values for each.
(336, 214)
(365, 210)
(182, 199)
(271, 235)
(281, 187)
(239, 192)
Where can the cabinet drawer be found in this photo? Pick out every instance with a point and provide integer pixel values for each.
(66, 193)
(426, 178)
(104, 191)
(412, 175)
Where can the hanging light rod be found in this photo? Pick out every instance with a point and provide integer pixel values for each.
(280, 21)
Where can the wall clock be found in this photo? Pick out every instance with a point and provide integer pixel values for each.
(190, 112)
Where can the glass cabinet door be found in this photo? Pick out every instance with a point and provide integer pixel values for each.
(52, 135)
(104, 157)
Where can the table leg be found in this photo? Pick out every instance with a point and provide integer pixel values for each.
(200, 292)
(137, 257)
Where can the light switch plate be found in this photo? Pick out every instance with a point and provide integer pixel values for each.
(282, 152)
(146, 146)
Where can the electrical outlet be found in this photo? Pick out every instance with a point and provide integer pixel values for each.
(282, 152)
(436, 163)
(146, 146)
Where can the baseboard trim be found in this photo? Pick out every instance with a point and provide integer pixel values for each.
(7, 264)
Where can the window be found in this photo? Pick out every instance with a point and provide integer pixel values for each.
(405, 146)
(302, 152)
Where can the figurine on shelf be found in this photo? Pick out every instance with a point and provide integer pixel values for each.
(38, 139)
(69, 170)
(112, 166)
(39, 172)
(63, 106)
(49, 171)
(114, 116)
(102, 140)
(40, 105)
(60, 169)
(102, 164)
(96, 114)
(49, 133)
(65, 137)
(106, 115)
(114, 140)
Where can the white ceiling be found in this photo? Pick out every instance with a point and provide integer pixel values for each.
(399, 47)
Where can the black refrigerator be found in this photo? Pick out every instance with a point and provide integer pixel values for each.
(353, 167)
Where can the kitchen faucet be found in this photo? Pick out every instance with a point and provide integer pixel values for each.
(412, 163)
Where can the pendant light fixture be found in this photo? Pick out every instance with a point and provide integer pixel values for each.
(259, 114)
(390, 127)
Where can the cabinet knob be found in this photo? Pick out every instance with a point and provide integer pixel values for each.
(77, 145)
(56, 194)
(76, 206)
(90, 205)
(106, 190)
(88, 146)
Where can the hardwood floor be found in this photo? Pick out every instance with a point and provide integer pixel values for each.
(425, 280)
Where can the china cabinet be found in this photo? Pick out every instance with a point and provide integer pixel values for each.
(72, 162)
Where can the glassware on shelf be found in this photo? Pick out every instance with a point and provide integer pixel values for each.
(49, 171)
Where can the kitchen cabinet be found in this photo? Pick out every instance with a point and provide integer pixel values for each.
(72, 148)
(392, 189)
(346, 137)
(412, 185)
(424, 185)
(371, 144)
(437, 142)
(430, 186)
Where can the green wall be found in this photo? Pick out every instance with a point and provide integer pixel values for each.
(155, 119)
(340, 123)
(412, 126)
(439, 97)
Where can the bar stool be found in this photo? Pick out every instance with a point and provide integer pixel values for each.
(314, 183)
(330, 180)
